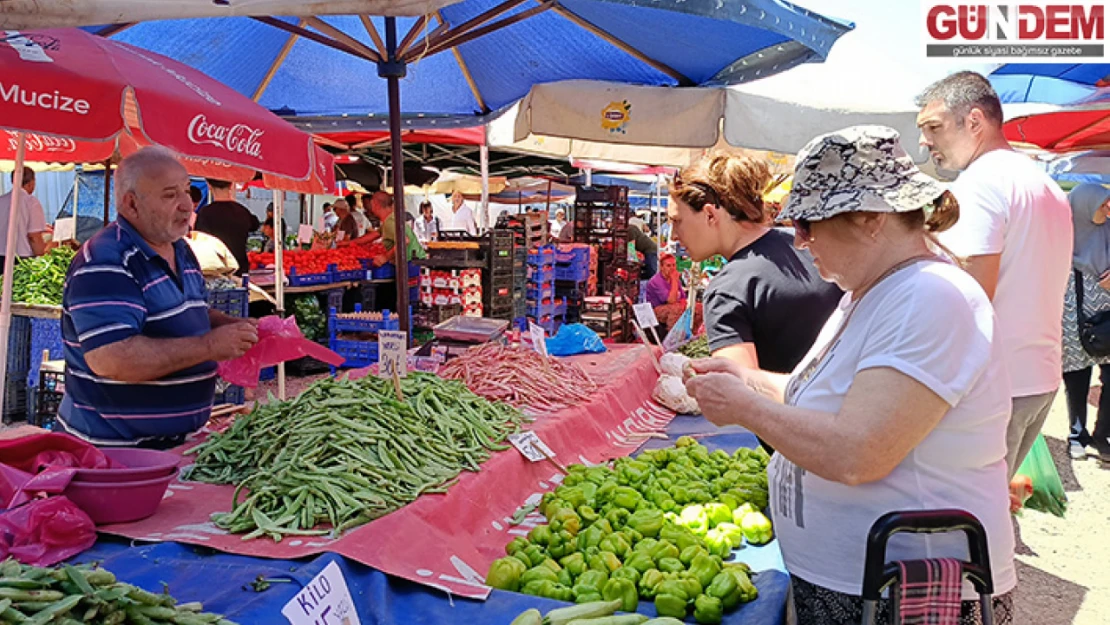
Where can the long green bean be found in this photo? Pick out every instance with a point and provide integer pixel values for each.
(344, 453)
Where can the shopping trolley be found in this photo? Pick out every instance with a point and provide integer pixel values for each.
(878, 574)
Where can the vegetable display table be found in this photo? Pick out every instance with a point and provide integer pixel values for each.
(382, 599)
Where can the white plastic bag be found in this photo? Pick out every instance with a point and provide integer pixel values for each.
(672, 363)
(671, 392)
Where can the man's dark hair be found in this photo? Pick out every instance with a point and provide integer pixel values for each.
(962, 92)
(327, 205)
(352, 200)
(196, 194)
(28, 175)
(219, 184)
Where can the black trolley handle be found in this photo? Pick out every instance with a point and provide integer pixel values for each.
(876, 575)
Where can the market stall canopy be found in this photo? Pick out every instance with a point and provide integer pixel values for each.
(492, 52)
(1049, 83)
(58, 13)
(83, 98)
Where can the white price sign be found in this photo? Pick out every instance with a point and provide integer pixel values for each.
(305, 233)
(392, 353)
(326, 600)
(65, 228)
(539, 341)
(530, 446)
(645, 315)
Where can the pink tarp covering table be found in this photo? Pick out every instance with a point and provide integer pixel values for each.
(447, 541)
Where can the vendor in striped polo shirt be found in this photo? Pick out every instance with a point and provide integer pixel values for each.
(141, 344)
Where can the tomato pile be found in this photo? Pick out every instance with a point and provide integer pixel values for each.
(310, 262)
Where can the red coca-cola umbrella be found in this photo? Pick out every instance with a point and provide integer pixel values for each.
(69, 96)
(87, 98)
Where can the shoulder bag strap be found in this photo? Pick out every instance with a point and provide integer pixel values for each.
(1080, 317)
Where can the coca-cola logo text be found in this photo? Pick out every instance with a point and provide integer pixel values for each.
(41, 143)
(236, 139)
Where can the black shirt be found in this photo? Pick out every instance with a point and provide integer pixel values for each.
(769, 294)
(231, 223)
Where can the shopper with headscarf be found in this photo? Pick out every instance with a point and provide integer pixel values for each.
(1090, 206)
(902, 403)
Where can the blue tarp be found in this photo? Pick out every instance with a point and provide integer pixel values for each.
(705, 41)
(1050, 83)
(222, 581)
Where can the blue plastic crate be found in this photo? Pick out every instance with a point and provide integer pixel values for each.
(46, 336)
(537, 275)
(572, 273)
(267, 373)
(351, 275)
(575, 255)
(340, 324)
(542, 257)
(232, 395)
(19, 345)
(539, 292)
(355, 353)
(537, 310)
(560, 307)
(388, 270)
(232, 302)
(310, 279)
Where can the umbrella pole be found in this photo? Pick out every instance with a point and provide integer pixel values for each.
(9, 264)
(393, 71)
(483, 154)
(107, 190)
(279, 276)
(548, 207)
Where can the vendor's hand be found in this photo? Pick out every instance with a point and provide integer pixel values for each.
(722, 397)
(1104, 280)
(712, 365)
(231, 341)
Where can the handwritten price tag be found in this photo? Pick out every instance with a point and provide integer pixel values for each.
(539, 342)
(326, 600)
(304, 233)
(392, 353)
(645, 315)
(530, 446)
(65, 228)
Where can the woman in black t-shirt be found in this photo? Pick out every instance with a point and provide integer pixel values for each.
(767, 305)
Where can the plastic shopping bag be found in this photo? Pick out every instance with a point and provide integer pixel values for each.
(574, 338)
(279, 340)
(1048, 491)
(44, 463)
(44, 532)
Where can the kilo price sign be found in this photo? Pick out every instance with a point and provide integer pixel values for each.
(539, 342)
(326, 600)
(645, 315)
(392, 353)
(530, 446)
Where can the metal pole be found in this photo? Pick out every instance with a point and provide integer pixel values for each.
(483, 154)
(589, 177)
(279, 276)
(393, 71)
(107, 190)
(9, 262)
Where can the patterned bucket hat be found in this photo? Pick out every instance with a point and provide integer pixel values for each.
(857, 169)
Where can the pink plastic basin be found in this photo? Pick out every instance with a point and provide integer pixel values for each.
(141, 464)
(119, 502)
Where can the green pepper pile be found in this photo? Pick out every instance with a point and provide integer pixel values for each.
(84, 594)
(40, 280)
(697, 348)
(657, 527)
(344, 453)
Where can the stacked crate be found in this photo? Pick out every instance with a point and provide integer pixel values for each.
(540, 291)
(451, 287)
(354, 335)
(601, 217)
(575, 268)
(505, 276)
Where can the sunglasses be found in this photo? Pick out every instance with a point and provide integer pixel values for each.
(803, 228)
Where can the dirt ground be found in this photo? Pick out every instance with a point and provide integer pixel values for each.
(1064, 564)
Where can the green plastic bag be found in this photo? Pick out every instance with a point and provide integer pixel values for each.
(1048, 490)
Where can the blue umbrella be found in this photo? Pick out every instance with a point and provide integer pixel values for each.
(476, 56)
(1048, 83)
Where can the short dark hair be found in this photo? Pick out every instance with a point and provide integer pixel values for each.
(219, 184)
(28, 175)
(196, 194)
(962, 92)
(351, 198)
(425, 204)
(327, 205)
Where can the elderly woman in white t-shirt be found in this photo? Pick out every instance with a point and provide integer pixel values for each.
(903, 401)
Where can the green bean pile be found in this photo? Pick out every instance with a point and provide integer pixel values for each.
(83, 594)
(697, 348)
(345, 453)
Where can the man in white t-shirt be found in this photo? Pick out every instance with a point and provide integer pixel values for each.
(463, 217)
(30, 221)
(1015, 232)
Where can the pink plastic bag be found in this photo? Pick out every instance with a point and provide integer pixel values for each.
(279, 340)
(45, 532)
(44, 463)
